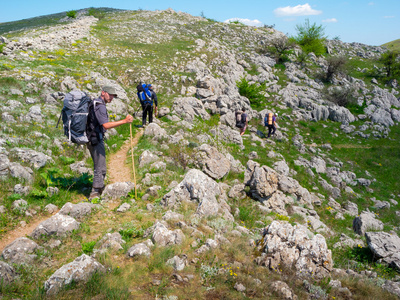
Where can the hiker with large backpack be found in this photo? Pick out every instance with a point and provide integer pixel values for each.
(98, 124)
(85, 122)
(270, 122)
(241, 120)
(146, 101)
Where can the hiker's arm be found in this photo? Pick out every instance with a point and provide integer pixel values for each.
(114, 124)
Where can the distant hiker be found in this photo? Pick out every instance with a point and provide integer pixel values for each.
(146, 101)
(270, 122)
(97, 125)
(154, 98)
(241, 120)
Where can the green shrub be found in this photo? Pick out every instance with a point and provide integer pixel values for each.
(336, 64)
(2, 47)
(251, 92)
(71, 14)
(390, 62)
(342, 96)
(311, 37)
(88, 247)
(280, 48)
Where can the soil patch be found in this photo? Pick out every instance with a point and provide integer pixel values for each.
(118, 169)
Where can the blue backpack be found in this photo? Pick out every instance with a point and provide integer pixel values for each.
(144, 94)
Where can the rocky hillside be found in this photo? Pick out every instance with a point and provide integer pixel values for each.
(311, 213)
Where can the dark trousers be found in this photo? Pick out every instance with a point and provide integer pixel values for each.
(271, 128)
(98, 153)
(147, 110)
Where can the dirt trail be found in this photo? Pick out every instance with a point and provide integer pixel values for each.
(118, 170)
(19, 232)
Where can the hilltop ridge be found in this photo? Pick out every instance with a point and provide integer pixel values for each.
(305, 214)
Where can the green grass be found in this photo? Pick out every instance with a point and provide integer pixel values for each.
(393, 45)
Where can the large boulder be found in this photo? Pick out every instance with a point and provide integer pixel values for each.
(383, 117)
(366, 221)
(80, 270)
(111, 241)
(188, 108)
(77, 211)
(295, 246)
(117, 190)
(146, 158)
(20, 251)
(196, 187)
(139, 250)
(385, 246)
(155, 131)
(58, 225)
(228, 135)
(162, 236)
(340, 114)
(212, 162)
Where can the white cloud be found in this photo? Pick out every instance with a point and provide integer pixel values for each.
(245, 21)
(332, 20)
(371, 3)
(388, 17)
(299, 10)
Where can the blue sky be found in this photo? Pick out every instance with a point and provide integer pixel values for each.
(372, 22)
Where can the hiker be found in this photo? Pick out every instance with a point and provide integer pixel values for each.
(145, 97)
(270, 122)
(97, 125)
(241, 120)
(154, 98)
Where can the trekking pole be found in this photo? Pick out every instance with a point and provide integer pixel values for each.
(133, 163)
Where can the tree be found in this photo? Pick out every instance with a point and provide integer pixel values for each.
(280, 48)
(311, 37)
(390, 63)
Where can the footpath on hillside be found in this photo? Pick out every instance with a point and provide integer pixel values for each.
(118, 171)
(117, 168)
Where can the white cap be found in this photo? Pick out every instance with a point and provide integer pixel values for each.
(276, 114)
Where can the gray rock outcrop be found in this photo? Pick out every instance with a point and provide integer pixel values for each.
(284, 244)
(58, 225)
(20, 251)
(80, 270)
(366, 221)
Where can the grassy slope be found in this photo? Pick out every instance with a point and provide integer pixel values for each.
(393, 45)
(134, 277)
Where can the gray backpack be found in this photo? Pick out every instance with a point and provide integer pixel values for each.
(74, 116)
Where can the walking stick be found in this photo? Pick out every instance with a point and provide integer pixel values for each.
(133, 163)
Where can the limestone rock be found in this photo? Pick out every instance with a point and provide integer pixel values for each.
(80, 270)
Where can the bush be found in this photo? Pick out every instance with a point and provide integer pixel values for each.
(280, 48)
(336, 64)
(251, 92)
(71, 14)
(390, 62)
(342, 96)
(311, 38)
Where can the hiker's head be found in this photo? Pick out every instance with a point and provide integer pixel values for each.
(243, 109)
(275, 114)
(108, 93)
(150, 86)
